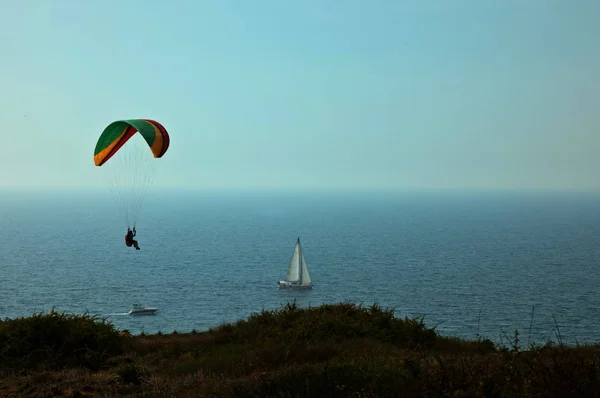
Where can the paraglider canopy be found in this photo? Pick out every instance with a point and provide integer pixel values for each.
(128, 161)
(116, 134)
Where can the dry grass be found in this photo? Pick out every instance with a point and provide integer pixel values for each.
(338, 350)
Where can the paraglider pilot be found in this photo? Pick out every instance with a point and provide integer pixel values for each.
(129, 241)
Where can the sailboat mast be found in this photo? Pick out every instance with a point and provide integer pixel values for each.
(299, 262)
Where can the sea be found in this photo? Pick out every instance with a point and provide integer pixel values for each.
(470, 263)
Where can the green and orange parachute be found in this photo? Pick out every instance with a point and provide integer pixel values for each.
(116, 134)
(128, 161)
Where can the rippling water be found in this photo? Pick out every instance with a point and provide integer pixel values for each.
(462, 261)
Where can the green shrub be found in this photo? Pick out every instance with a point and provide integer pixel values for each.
(336, 322)
(57, 340)
(129, 373)
(327, 380)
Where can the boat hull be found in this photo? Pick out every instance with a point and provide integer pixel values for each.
(293, 286)
(142, 312)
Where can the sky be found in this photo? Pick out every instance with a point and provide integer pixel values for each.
(307, 94)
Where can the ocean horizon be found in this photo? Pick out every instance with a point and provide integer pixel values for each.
(469, 262)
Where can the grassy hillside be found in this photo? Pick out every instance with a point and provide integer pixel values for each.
(337, 350)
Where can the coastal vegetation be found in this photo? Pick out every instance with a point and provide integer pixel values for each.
(337, 350)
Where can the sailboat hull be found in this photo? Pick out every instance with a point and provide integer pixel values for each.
(293, 286)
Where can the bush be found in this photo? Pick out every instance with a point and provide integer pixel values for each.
(328, 323)
(327, 380)
(57, 340)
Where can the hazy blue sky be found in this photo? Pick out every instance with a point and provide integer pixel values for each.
(272, 93)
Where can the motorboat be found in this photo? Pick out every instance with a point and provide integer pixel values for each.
(139, 309)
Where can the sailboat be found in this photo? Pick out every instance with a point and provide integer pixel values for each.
(297, 274)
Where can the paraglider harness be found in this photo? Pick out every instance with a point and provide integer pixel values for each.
(129, 236)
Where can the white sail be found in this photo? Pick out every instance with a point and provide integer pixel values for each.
(293, 272)
(305, 275)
